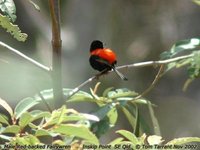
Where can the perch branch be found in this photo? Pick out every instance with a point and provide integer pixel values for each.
(155, 63)
(140, 64)
(75, 90)
(41, 66)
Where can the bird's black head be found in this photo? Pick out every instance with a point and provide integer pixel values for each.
(96, 45)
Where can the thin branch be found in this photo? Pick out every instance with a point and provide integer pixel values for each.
(155, 63)
(156, 79)
(75, 90)
(140, 64)
(41, 66)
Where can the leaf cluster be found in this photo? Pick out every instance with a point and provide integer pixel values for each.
(8, 17)
(190, 47)
(24, 126)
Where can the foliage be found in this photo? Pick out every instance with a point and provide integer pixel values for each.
(23, 127)
(196, 2)
(190, 47)
(111, 103)
(129, 140)
(7, 7)
(102, 118)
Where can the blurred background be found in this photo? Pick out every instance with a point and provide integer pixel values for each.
(138, 30)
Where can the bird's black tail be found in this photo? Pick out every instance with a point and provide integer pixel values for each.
(120, 74)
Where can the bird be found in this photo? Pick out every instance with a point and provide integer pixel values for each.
(103, 59)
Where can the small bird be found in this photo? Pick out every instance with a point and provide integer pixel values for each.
(103, 59)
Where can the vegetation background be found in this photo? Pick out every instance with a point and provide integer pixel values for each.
(137, 30)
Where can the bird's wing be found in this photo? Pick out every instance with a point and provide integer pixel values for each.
(113, 67)
(104, 62)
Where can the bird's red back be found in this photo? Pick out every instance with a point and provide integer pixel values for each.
(106, 54)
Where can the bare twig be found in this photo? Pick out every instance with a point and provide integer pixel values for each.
(140, 64)
(75, 90)
(41, 66)
(153, 83)
(155, 63)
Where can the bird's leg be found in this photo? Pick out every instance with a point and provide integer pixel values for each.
(101, 73)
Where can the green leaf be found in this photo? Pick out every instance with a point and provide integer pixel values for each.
(12, 129)
(12, 29)
(8, 8)
(196, 2)
(90, 117)
(81, 97)
(185, 140)
(62, 114)
(101, 127)
(130, 136)
(40, 114)
(131, 119)
(103, 111)
(5, 137)
(7, 107)
(135, 121)
(112, 115)
(36, 114)
(184, 62)
(194, 68)
(25, 119)
(144, 126)
(170, 66)
(78, 131)
(24, 105)
(47, 94)
(142, 101)
(26, 140)
(137, 125)
(3, 119)
(42, 132)
(121, 93)
(193, 72)
(181, 46)
(33, 126)
(67, 115)
(106, 91)
(196, 59)
(73, 117)
(56, 116)
(116, 141)
(156, 126)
